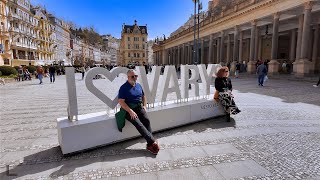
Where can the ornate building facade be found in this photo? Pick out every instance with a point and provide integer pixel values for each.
(23, 33)
(251, 30)
(62, 33)
(45, 37)
(133, 45)
(111, 46)
(5, 51)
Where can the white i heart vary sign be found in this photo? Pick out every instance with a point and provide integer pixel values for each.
(169, 84)
(110, 75)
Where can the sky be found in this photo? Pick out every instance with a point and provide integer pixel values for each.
(108, 16)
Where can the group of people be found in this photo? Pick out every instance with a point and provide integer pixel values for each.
(133, 102)
(23, 74)
(41, 72)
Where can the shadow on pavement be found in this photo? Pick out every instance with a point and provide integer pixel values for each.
(54, 163)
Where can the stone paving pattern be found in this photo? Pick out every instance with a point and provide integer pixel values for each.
(276, 136)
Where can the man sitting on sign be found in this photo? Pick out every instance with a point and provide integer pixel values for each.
(133, 101)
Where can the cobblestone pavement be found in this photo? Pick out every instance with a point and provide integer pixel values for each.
(276, 136)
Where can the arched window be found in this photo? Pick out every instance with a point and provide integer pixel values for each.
(128, 30)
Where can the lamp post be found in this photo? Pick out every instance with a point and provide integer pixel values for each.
(196, 41)
(195, 46)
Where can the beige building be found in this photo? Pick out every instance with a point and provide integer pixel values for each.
(110, 46)
(251, 30)
(23, 33)
(45, 51)
(5, 49)
(62, 41)
(133, 45)
(77, 47)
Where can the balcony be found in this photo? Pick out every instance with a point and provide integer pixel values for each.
(13, 16)
(4, 32)
(14, 29)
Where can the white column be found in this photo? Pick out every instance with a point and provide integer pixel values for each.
(202, 52)
(179, 56)
(228, 49)
(292, 44)
(218, 51)
(252, 41)
(315, 48)
(304, 66)
(251, 64)
(275, 37)
(236, 44)
(222, 48)
(306, 30)
(240, 46)
(256, 42)
(299, 38)
(210, 59)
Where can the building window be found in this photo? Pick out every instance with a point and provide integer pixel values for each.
(128, 38)
(143, 31)
(142, 46)
(134, 55)
(136, 38)
(128, 46)
(136, 31)
(138, 54)
(144, 54)
(128, 30)
(128, 54)
(143, 39)
(6, 61)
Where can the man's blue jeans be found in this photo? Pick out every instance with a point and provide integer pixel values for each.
(260, 79)
(40, 76)
(52, 78)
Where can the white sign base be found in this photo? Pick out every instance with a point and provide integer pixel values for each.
(96, 129)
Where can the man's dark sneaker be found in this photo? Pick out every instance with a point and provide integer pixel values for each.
(153, 148)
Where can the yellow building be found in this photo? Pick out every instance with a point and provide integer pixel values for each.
(5, 52)
(133, 45)
(45, 37)
(22, 33)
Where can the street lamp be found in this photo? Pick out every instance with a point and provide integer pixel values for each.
(196, 41)
(28, 54)
(195, 45)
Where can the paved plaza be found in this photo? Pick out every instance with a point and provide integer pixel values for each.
(276, 136)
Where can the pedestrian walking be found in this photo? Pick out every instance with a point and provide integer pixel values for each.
(284, 66)
(237, 70)
(20, 74)
(83, 71)
(133, 106)
(223, 92)
(40, 72)
(262, 72)
(52, 72)
(145, 67)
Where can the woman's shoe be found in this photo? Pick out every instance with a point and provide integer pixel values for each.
(228, 117)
